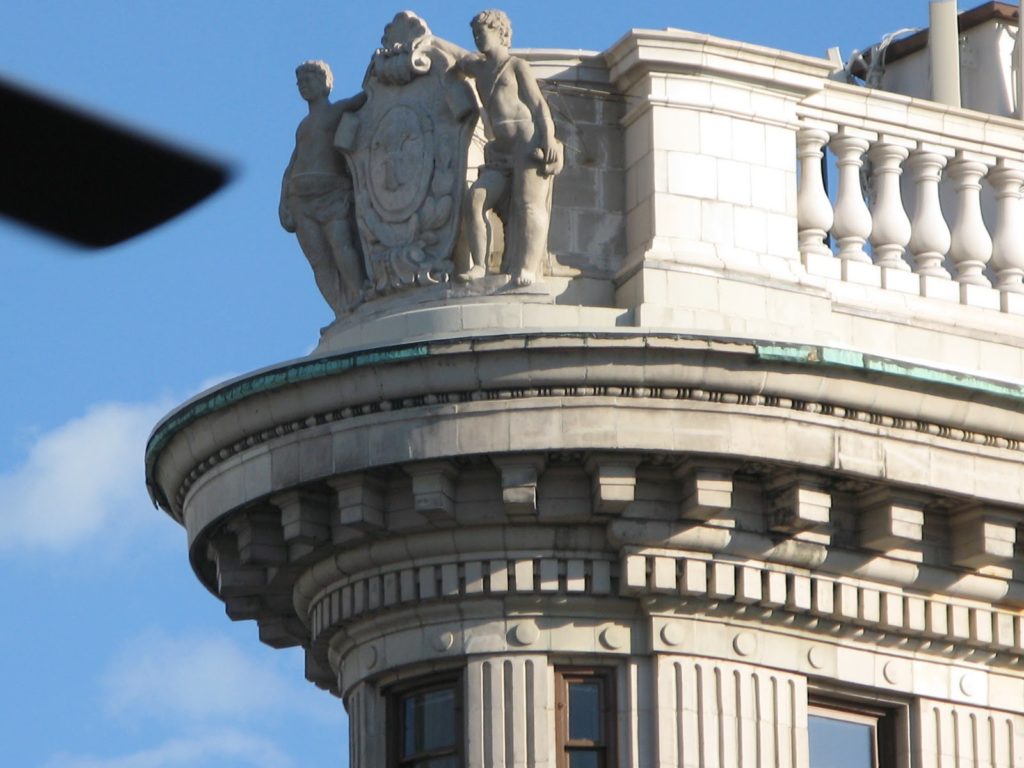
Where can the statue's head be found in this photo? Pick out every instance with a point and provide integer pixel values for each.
(313, 75)
(496, 20)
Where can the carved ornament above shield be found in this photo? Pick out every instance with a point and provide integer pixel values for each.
(406, 148)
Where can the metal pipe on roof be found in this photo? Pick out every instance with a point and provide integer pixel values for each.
(944, 51)
(1017, 68)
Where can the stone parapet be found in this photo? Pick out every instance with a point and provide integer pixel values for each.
(679, 210)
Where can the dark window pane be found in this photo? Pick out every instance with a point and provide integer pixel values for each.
(840, 743)
(585, 712)
(410, 724)
(451, 761)
(439, 719)
(429, 721)
(590, 758)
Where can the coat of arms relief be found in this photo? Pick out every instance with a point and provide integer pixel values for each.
(377, 191)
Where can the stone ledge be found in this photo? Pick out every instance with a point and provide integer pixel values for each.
(500, 575)
(842, 605)
(177, 455)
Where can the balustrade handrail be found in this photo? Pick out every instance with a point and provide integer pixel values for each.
(869, 109)
(960, 260)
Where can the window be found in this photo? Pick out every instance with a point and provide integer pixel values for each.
(585, 729)
(427, 725)
(845, 736)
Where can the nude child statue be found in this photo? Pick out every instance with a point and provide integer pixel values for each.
(316, 192)
(520, 160)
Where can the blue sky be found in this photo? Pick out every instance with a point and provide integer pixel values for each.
(112, 654)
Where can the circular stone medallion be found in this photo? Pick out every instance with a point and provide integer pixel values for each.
(613, 638)
(816, 656)
(672, 634)
(525, 633)
(744, 643)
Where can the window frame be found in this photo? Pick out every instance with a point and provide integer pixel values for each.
(398, 694)
(605, 677)
(883, 717)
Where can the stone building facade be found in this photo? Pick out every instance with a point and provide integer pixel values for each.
(738, 483)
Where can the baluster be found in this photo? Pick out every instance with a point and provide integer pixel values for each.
(971, 246)
(852, 225)
(814, 209)
(1008, 241)
(890, 227)
(930, 238)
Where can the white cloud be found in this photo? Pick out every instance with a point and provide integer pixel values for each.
(82, 476)
(202, 676)
(223, 749)
(78, 478)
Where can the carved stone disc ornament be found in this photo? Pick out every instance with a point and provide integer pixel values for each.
(401, 163)
(406, 148)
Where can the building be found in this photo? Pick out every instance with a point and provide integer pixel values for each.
(737, 484)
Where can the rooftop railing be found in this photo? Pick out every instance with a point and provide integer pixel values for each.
(907, 211)
(885, 194)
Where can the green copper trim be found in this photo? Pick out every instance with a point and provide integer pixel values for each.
(275, 379)
(801, 354)
(810, 355)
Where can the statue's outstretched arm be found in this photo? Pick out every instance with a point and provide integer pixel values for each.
(352, 103)
(529, 93)
(458, 53)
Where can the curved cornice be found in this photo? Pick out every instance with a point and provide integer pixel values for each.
(890, 393)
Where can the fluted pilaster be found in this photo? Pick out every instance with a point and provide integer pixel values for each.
(720, 714)
(509, 701)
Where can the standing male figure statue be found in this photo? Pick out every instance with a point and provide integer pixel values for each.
(520, 160)
(316, 192)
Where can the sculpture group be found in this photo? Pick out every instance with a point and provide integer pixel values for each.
(376, 189)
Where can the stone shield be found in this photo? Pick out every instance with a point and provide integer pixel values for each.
(406, 148)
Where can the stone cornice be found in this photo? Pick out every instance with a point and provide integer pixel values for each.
(830, 356)
(749, 374)
(642, 52)
(264, 381)
(698, 394)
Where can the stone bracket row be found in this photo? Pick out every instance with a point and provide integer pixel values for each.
(260, 551)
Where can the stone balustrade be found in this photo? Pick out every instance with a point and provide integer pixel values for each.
(765, 199)
(927, 198)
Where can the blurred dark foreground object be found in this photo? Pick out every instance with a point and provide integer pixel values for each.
(85, 180)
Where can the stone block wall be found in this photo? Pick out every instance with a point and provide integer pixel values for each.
(589, 198)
